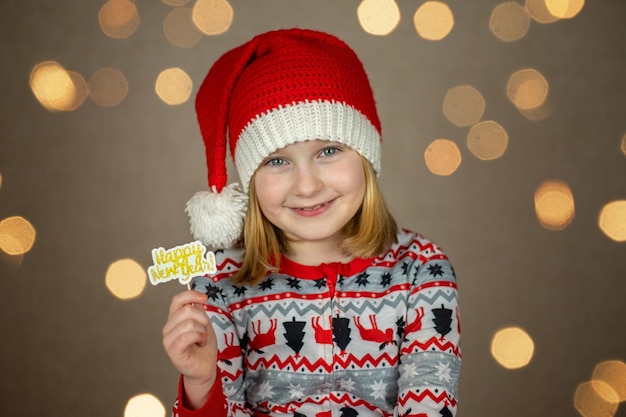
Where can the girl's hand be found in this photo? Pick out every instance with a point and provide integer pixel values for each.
(191, 345)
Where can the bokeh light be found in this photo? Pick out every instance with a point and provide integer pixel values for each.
(118, 18)
(144, 405)
(179, 28)
(590, 399)
(53, 86)
(176, 3)
(17, 235)
(564, 9)
(612, 373)
(554, 204)
(612, 220)
(173, 86)
(108, 87)
(126, 279)
(378, 17)
(487, 140)
(0, 181)
(527, 89)
(433, 20)
(538, 113)
(442, 157)
(81, 91)
(212, 17)
(623, 144)
(512, 347)
(539, 11)
(463, 105)
(509, 21)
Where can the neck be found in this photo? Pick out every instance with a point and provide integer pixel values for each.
(315, 253)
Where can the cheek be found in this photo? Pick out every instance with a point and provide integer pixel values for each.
(266, 191)
(351, 179)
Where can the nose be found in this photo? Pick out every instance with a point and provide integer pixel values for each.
(306, 181)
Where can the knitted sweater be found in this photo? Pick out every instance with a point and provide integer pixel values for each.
(373, 337)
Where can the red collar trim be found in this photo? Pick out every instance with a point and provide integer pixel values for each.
(289, 267)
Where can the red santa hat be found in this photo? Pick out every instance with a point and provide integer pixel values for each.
(279, 88)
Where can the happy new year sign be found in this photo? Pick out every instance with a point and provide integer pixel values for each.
(181, 262)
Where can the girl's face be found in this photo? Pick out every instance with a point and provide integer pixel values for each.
(310, 190)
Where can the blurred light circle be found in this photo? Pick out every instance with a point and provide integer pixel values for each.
(442, 157)
(125, 279)
(433, 20)
(612, 220)
(108, 87)
(612, 373)
(554, 204)
(590, 403)
(173, 86)
(487, 140)
(378, 17)
(118, 18)
(52, 86)
(509, 21)
(212, 17)
(564, 9)
(463, 105)
(17, 235)
(512, 348)
(179, 28)
(623, 144)
(144, 405)
(527, 89)
(81, 91)
(176, 3)
(539, 12)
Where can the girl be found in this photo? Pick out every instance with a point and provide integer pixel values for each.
(321, 305)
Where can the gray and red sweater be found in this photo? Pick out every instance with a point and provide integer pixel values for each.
(372, 337)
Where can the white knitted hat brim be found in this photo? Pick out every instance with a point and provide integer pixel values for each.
(299, 122)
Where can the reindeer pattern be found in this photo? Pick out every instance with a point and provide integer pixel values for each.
(298, 332)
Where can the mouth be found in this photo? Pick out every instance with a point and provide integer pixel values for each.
(313, 210)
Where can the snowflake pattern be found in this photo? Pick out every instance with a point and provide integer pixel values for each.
(379, 390)
(443, 372)
(410, 371)
(296, 391)
(362, 279)
(212, 292)
(240, 290)
(267, 284)
(385, 280)
(435, 270)
(294, 283)
(347, 384)
(320, 283)
(265, 390)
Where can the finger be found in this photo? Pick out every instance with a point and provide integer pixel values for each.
(186, 297)
(178, 344)
(186, 318)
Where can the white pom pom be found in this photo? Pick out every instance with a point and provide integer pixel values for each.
(217, 219)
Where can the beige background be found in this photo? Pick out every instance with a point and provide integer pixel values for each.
(101, 184)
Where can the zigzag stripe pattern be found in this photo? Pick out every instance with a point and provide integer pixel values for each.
(433, 341)
(297, 364)
(270, 310)
(426, 393)
(315, 324)
(341, 399)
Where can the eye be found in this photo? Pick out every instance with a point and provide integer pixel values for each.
(331, 150)
(274, 162)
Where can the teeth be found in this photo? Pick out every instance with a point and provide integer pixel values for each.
(312, 208)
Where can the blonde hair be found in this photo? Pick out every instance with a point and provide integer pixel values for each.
(370, 232)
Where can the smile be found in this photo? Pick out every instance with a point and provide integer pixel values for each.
(313, 210)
